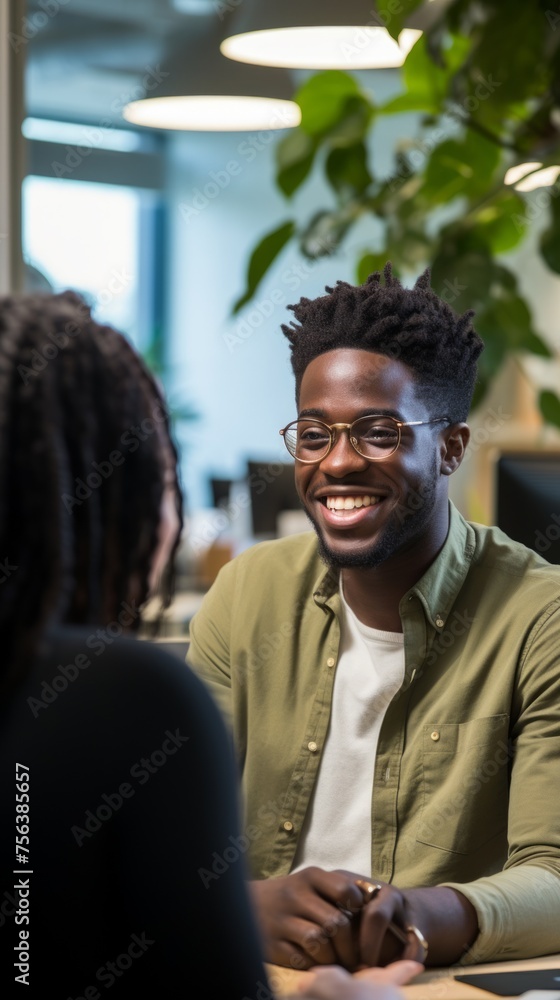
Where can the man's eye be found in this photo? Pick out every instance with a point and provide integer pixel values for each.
(313, 435)
(379, 433)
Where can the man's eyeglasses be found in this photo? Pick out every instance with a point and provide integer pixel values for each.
(374, 437)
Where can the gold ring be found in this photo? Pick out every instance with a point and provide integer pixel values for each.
(417, 933)
(369, 889)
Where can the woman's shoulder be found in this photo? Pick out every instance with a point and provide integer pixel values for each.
(97, 663)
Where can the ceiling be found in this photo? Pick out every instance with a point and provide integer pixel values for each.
(91, 55)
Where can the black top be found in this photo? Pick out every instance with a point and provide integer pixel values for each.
(136, 877)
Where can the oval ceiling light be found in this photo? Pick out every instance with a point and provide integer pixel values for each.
(321, 47)
(214, 114)
(527, 176)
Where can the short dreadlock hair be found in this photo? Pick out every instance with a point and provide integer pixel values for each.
(414, 326)
(83, 434)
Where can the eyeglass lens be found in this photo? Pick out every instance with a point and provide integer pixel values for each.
(374, 437)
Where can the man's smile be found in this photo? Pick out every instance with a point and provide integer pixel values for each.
(350, 502)
(339, 509)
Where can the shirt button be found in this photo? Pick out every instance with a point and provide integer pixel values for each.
(330, 661)
(434, 736)
(312, 746)
(288, 826)
(440, 622)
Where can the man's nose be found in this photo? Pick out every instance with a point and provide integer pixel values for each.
(343, 458)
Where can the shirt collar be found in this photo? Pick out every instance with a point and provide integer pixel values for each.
(437, 589)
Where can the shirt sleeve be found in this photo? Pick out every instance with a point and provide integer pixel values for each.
(518, 914)
(209, 653)
(519, 908)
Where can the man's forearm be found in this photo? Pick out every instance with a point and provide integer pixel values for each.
(447, 920)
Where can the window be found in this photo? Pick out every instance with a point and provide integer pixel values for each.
(92, 237)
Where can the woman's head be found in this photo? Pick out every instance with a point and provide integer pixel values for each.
(87, 467)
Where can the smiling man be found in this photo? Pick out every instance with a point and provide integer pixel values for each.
(392, 678)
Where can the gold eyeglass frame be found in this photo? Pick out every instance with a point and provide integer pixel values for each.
(332, 428)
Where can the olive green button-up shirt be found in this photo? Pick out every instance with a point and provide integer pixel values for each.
(466, 778)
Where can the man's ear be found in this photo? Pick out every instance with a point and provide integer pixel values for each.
(453, 447)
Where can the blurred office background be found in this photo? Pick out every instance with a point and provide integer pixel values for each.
(156, 227)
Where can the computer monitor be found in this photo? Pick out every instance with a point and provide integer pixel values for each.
(272, 490)
(220, 490)
(528, 499)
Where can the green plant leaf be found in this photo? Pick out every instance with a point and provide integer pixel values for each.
(261, 259)
(481, 388)
(323, 100)
(324, 233)
(536, 345)
(353, 123)
(496, 222)
(294, 159)
(462, 276)
(549, 405)
(549, 243)
(369, 263)
(395, 21)
(408, 102)
(501, 74)
(485, 84)
(460, 168)
(426, 83)
(347, 170)
(506, 325)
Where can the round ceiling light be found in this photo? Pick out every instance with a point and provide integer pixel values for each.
(527, 176)
(327, 47)
(214, 114)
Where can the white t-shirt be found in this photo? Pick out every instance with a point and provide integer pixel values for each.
(337, 829)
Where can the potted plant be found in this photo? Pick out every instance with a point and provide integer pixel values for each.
(485, 84)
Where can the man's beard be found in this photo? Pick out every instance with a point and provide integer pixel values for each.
(405, 523)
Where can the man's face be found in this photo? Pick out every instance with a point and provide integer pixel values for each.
(394, 508)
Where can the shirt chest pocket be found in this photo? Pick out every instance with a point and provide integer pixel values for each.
(465, 768)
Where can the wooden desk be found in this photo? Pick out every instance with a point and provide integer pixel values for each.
(434, 984)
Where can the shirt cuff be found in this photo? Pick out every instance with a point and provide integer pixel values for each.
(518, 914)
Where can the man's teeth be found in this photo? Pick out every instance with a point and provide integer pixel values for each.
(349, 503)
